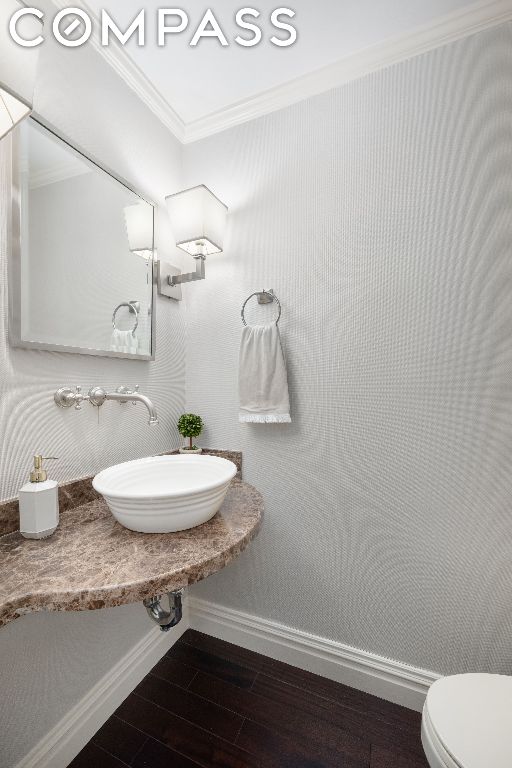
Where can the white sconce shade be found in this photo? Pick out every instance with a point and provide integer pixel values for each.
(198, 219)
(12, 112)
(139, 228)
(18, 67)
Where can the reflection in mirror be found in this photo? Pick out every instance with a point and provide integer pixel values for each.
(85, 272)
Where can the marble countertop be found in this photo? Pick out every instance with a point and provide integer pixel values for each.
(93, 562)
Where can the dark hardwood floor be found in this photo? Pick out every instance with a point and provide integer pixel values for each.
(211, 704)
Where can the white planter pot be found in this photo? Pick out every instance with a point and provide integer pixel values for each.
(189, 452)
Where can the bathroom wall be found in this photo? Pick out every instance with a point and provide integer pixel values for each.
(48, 662)
(381, 214)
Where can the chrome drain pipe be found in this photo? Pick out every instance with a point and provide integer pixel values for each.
(165, 619)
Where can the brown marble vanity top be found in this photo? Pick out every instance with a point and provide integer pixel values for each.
(93, 562)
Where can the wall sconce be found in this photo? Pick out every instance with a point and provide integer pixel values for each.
(198, 219)
(139, 228)
(18, 67)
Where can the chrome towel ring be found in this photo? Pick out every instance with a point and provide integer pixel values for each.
(264, 297)
(133, 307)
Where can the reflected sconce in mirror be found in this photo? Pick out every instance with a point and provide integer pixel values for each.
(18, 65)
(139, 228)
(198, 219)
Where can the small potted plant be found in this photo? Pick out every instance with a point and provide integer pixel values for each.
(190, 425)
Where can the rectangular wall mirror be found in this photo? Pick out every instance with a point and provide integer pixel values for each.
(82, 260)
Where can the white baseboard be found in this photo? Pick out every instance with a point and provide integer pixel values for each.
(61, 745)
(388, 679)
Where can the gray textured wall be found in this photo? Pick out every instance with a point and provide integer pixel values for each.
(381, 214)
(49, 662)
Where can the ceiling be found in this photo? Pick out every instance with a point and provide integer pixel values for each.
(197, 82)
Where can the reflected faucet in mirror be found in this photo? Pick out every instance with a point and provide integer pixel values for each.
(65, 397)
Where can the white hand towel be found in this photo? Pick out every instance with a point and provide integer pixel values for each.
(262, 380)
(124, 341)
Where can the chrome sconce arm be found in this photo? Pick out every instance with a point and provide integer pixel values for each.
(189, 277)
(170, 279)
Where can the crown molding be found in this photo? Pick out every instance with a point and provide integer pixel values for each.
(57, 174)
(441, 31)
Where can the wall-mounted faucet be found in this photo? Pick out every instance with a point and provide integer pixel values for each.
(65, 397)
(97, 396)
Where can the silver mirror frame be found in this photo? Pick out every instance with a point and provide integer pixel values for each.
(14, 253)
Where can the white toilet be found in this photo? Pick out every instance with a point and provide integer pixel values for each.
(467, 722)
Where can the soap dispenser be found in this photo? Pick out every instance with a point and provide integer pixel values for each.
(39, 503)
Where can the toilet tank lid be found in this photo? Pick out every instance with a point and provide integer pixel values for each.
(472, 716)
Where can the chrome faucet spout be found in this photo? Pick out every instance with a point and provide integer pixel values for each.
(135, 397)
(97, 397)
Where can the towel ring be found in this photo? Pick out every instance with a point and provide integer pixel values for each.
(132, 306)
(272, 298)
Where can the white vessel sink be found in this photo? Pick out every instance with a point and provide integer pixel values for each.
(162, 494)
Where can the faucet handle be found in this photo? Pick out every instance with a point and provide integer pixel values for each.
(79, 398)
(135, 392)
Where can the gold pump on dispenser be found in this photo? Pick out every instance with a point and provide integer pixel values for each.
(38, 474)
(39, 503)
